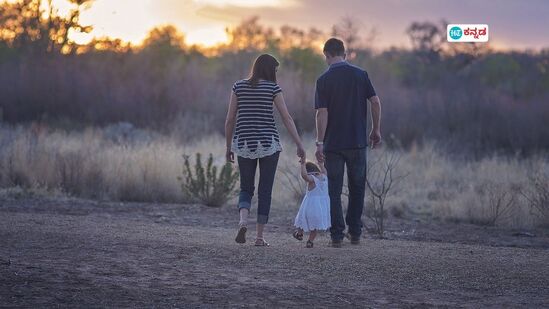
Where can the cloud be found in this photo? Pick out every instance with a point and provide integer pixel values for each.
(517, 24)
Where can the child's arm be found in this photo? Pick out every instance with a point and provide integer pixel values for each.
(304, 175)
(322, 168)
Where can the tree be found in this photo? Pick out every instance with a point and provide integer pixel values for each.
(251, 36)
(36, 26)
(426, 36)
(164, 37)
(291, 37)
(106, 44)
(164, 44)
(348, 29)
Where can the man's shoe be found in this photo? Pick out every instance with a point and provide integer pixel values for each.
(355, 240)
(335, 243)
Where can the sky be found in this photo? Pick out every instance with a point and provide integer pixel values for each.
(514, 24)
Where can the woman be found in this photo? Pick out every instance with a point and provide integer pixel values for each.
(256, 139)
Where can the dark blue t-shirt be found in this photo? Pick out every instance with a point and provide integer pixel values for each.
(344, 89)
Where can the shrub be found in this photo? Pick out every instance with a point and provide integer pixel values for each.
(495, 203)
(537, 196)
(292, 181)
(206, 185)
(381, 179)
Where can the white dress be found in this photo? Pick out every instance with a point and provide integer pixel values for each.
(314, 213)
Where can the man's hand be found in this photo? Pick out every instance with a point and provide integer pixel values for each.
(229, 155)
(375, 135)
(320, 153)
(375, 138)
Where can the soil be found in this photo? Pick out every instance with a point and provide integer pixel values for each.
(80, 253)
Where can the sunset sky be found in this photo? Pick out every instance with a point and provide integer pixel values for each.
(513, 23)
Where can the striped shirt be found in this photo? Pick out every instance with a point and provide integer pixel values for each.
(256, 135)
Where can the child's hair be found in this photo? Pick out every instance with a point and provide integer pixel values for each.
(311, 167)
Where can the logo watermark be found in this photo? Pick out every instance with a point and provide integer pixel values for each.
(467, 33)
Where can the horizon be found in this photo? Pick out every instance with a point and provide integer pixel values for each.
(204, 22)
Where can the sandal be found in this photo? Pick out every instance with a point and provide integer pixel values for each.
(260, 242)
(241, 235)
(298, 234)
(309, 244)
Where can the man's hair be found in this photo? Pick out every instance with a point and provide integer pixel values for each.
(334, 47)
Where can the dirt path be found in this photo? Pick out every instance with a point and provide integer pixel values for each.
(78, 258)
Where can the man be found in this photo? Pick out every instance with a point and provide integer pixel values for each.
(341, 99)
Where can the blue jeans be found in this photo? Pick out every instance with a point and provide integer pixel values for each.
(335, 161)
(267, 169)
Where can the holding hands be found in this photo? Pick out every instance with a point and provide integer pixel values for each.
(301, 153)
(229, 155)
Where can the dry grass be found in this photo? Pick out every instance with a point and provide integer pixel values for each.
(142, 166)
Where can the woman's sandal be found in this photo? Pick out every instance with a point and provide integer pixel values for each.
(260, 242)
(298, 235)
(309, 244)
(241, 235)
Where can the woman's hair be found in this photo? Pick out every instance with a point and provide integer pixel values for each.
(264, 68)
(311, 167)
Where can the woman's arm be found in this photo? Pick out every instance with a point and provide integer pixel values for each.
(289, 124)
(230, 122)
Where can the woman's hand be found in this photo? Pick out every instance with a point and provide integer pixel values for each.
(301, 153)
(229, 155)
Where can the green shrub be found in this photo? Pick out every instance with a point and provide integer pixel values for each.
(206, 185)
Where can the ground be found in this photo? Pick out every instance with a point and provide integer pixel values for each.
(78, 253)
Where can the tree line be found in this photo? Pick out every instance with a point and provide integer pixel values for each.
(466, 97)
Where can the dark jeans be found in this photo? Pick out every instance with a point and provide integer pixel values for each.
(355, 160)
(267, 169)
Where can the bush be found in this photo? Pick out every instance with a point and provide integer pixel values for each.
(495, 204)
(380, 181)
(291, 180)
(205, 185)
(537, 196)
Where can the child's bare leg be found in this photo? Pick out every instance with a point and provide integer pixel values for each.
(312, 235)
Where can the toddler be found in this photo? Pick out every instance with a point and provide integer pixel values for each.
(314, 212)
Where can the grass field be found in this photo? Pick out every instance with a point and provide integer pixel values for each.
(118, 163)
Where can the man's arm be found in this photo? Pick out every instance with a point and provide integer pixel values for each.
(375, 134)
(321, 123)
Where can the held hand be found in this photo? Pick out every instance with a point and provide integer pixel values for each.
(301, 153)
(229, 155)
(375, 138)
(320, 153)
